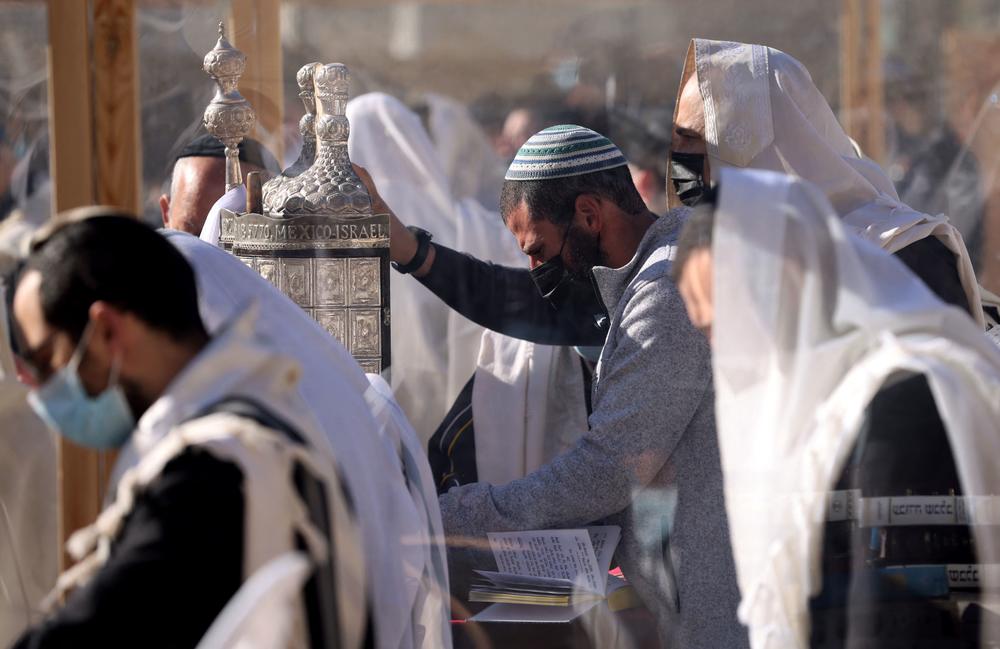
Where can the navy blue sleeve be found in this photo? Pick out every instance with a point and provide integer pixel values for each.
(506, 300)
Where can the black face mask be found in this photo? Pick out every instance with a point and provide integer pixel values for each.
(565, 289)
(687, 173)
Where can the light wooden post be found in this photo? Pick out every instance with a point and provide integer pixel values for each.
(74, 178)
(256, 30)
(94, 151)
(874, 86)
(850, 32)
(116, 105)
(862, 101)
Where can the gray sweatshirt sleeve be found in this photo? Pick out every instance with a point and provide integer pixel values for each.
(650, 387)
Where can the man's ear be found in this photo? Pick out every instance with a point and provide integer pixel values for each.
(109, 328)
(588, 206)
(165, 209)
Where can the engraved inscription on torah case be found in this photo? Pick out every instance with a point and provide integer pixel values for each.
(317, 239)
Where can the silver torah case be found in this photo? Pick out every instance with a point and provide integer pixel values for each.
(317, 239)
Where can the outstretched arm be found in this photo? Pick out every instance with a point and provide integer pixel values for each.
(496, 297)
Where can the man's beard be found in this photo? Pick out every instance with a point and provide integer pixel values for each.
(138, 401)
(584, 252)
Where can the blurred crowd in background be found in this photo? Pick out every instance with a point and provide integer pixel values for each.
(515, 67)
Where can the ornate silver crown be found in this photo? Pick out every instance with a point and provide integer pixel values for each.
(330, 185)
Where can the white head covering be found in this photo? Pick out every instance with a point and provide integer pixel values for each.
(763, 111)
(335, 389)
(389, 141)
(473, 168)
(235, 200)
(810, 321)
(429, 341)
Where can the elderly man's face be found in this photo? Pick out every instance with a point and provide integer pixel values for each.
(695, 286)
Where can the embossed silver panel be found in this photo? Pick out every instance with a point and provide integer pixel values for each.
(365, 332)
(296, 280)
(334, 321)
(317, 238)
(268, 269)
(365, 282)
(330, 281)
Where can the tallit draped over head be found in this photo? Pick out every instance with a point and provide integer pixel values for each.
(763, 111)
(810, 322)
(472, 166)
(429, 340)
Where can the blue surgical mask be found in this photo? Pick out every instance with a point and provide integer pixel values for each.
(101, 422)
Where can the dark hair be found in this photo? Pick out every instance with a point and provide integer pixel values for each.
(555, 199)
(697, 234)
(251, 152)
(11, 275)
(121, 261)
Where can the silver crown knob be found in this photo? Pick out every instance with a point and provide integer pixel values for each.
(273, 194)
(229, 115)
(330, 185)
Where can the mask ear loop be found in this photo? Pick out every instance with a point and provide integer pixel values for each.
(81, 348)
(563, 244)
(116, 366)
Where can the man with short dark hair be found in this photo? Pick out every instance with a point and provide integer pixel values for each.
(198, 179)
(650, 461)
(107, 313)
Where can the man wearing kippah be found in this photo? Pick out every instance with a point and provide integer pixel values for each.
(600, 264)
(198, 179)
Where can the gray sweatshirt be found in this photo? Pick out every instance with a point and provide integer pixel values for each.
(649, 463)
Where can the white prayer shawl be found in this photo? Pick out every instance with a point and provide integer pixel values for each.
(810, 322)
(389, 140)
(335, 390)
(234, 364)
(422, 551)
(29, 561)
(482, 233)
(473, 168)
(763, 111)
(527, 406)
(235, 200)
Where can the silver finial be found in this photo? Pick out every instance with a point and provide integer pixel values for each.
(229, 115)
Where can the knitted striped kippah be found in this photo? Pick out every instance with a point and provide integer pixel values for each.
(563, 151)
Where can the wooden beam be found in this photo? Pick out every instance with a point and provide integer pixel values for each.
(874, 85)
(117, 142)
(862, 100)
(73, 176)
(116, 105)
(850, 28)
(255, 28)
